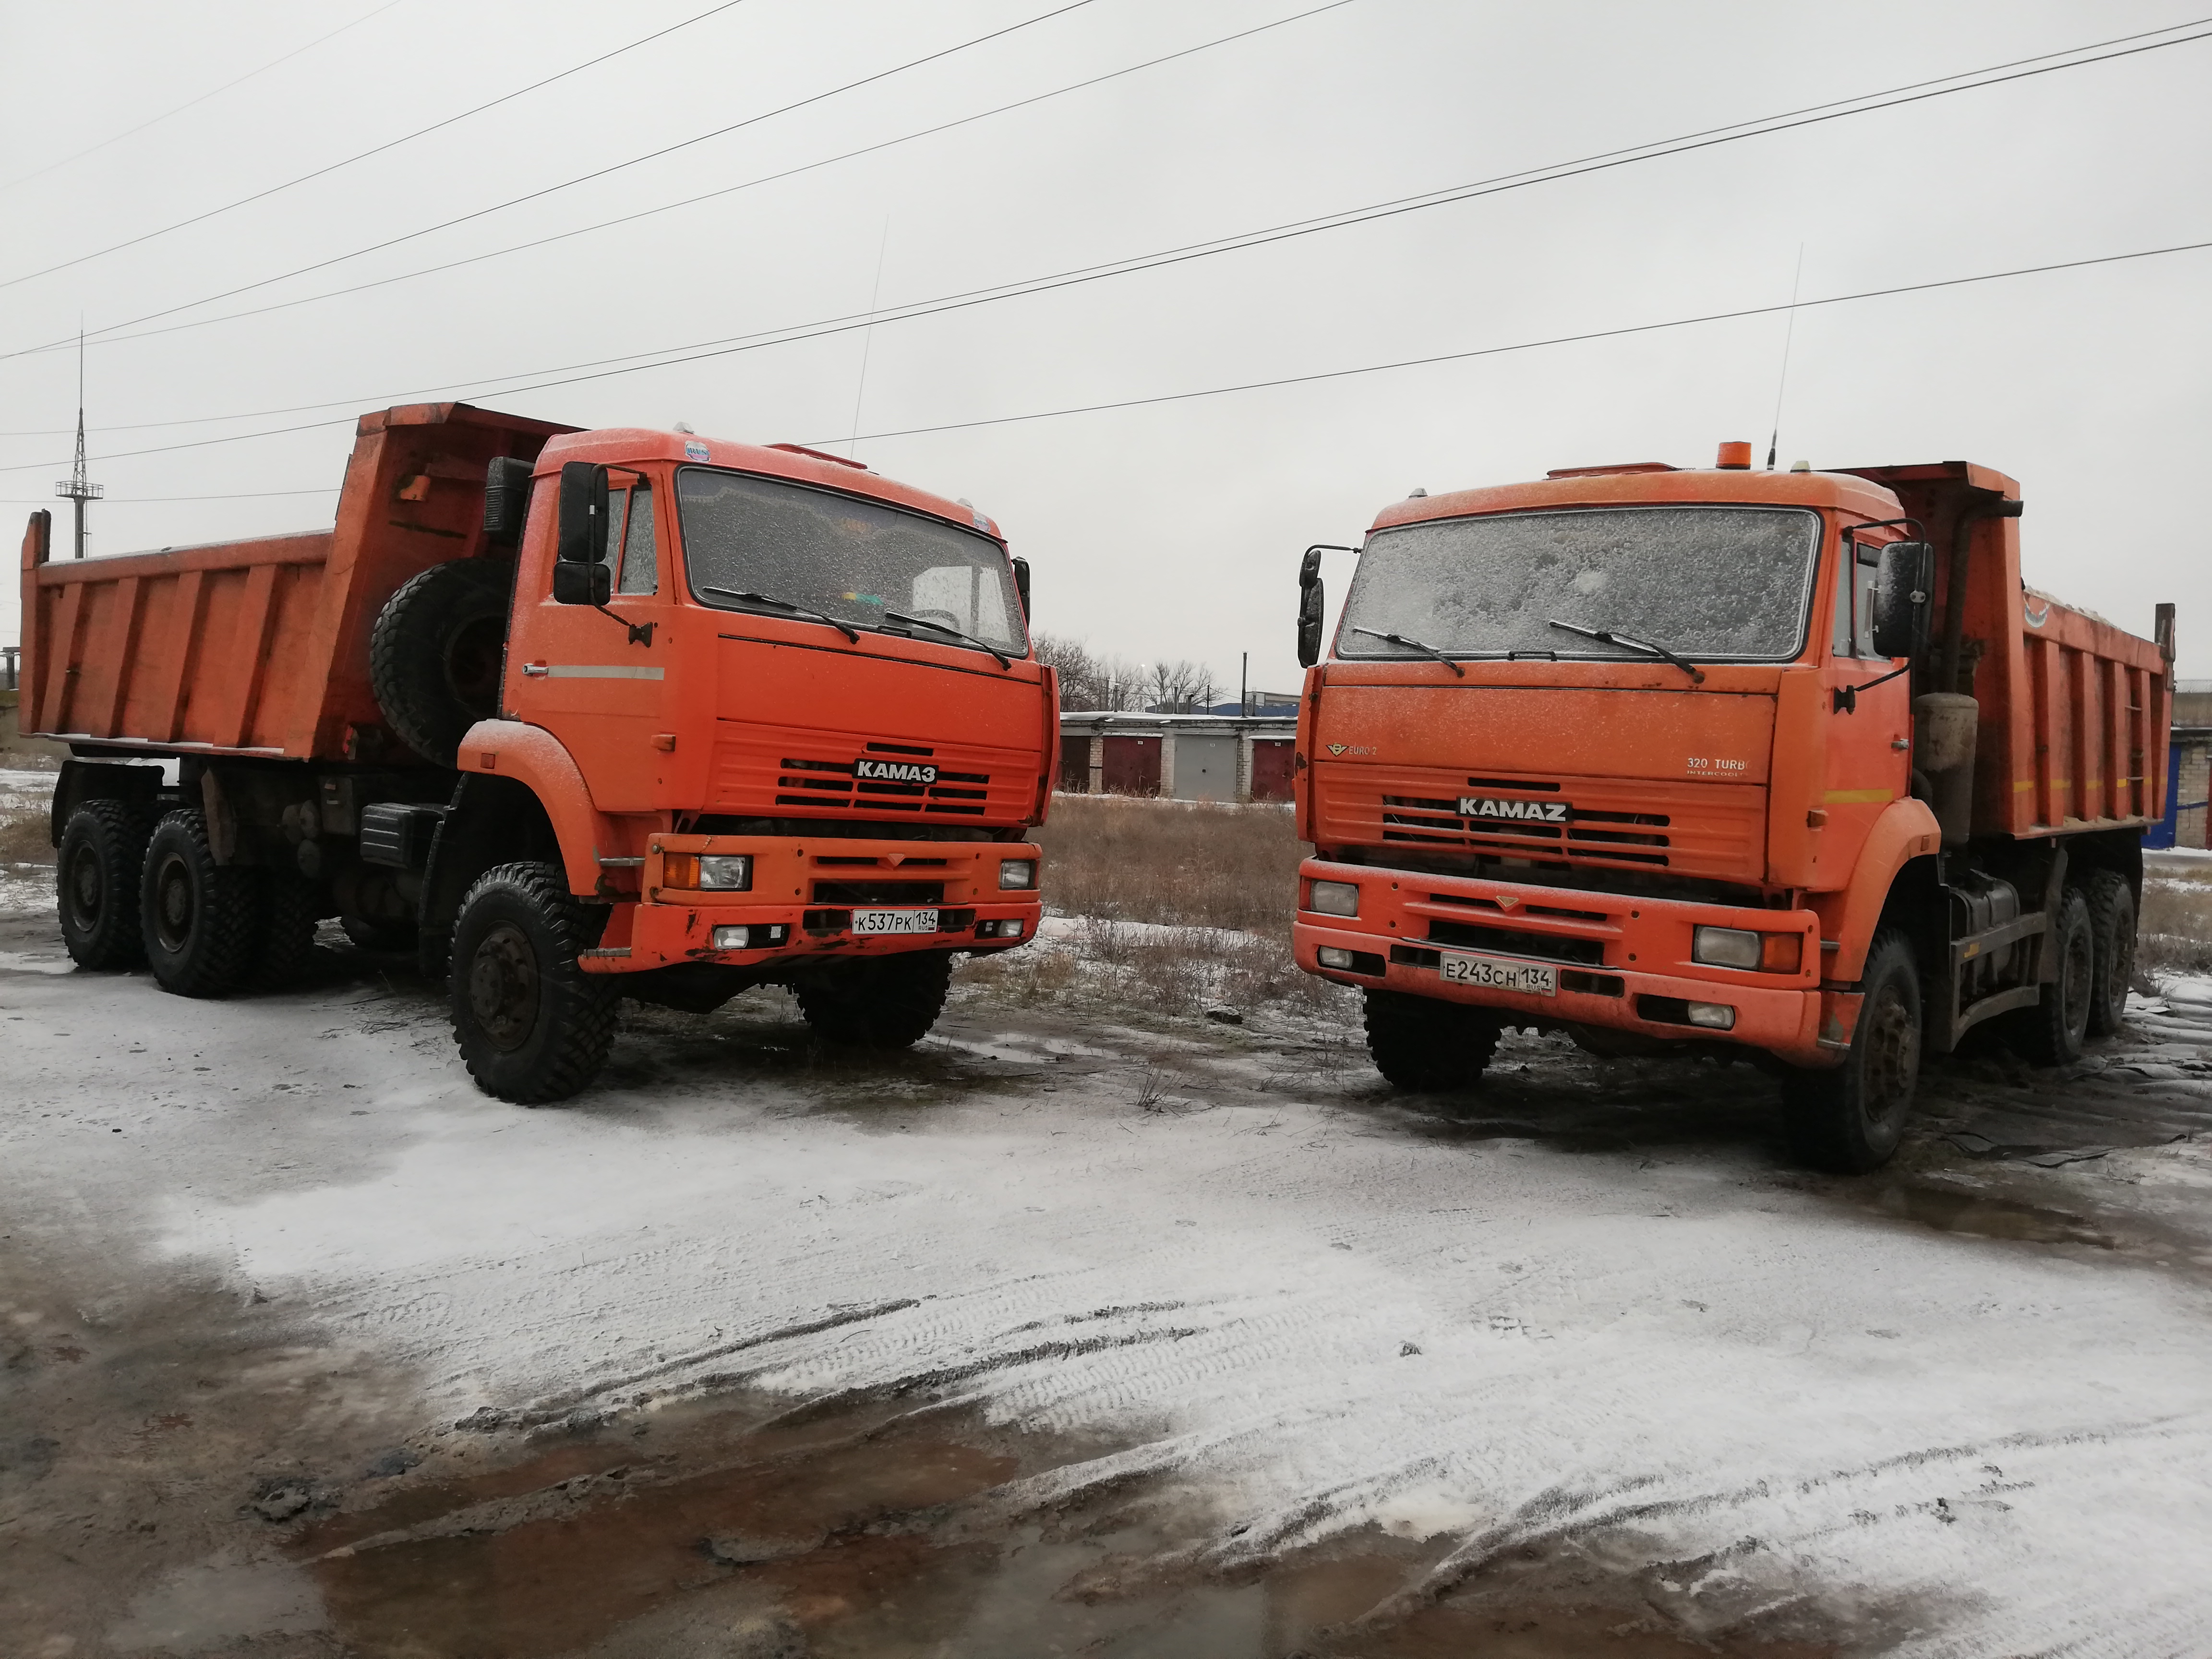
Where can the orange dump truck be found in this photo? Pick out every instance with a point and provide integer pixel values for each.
(575, 714)
(1788, 765)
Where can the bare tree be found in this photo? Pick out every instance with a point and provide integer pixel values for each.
(1177, 687)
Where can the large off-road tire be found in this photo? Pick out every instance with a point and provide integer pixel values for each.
(877, 1002)
(200, 921)
(96, 879)
(1849, 1119)
(2112, 929)
(2053, 1032)
(532, 1026)
(291, 905)
(435, 655)
(1429, 1045)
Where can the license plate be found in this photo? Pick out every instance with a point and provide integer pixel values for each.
(894, 921)
(1529, 978)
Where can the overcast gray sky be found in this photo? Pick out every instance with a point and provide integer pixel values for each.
(1171, 529)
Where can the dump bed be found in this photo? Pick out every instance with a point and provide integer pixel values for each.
(2073, 710)
(260, 647)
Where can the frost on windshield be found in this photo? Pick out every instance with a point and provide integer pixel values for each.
(1709, 582)
(848, 558)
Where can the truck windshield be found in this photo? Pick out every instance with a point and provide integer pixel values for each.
(1711, 583)
(851, 559)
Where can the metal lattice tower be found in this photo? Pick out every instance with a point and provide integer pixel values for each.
(76, 488)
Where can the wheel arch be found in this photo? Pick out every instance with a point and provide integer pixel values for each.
(1894, 883)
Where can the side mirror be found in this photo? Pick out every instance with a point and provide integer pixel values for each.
(1310, 607)
(506, 499)
(582, 584)
(583, 537)
(1900, 600)
(1022, 585)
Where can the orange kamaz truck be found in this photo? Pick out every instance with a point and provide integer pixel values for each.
(574, 715)
(1789, 766)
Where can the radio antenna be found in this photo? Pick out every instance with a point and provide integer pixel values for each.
(868, 334)
(1789, 333)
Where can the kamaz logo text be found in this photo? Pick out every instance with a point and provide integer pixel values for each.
(1536, 812)
(895, 771)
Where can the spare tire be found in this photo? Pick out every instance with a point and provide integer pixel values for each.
(435, 656)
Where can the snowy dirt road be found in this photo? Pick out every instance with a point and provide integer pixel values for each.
(1077, 1329)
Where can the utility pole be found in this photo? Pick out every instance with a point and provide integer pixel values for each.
(76, 488)
(1245, 683)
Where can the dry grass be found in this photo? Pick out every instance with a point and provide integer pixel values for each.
(23, 837)
(1184, 905)
(1182, 864)
(2173, 934)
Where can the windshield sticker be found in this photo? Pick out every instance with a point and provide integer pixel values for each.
(1534, 811)
(895, 771)
(694, 452)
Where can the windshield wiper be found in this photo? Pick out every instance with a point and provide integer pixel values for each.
(1005, 661)
(1606, 636)
(1413, 644)
(799, 610)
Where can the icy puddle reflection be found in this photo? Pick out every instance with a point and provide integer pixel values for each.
(709, 1532)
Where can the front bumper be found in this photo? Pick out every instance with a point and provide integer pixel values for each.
(800, 905)
(1622, 963)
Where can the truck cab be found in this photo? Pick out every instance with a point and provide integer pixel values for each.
(1675, 759)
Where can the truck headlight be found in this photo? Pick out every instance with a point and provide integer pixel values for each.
(730, 872)
(1018, 872)
(1334, 898)
(1738, 947)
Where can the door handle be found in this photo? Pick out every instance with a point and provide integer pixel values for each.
(536, 668)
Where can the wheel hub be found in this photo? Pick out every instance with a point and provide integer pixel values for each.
(84, 886)
(172, 904)
(503, 986)
(1892, 1062)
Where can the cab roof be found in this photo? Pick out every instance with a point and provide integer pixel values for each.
(1646, 485)
(628, 446)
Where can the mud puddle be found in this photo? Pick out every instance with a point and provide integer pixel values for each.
(1948, 1209)
(726, 1530)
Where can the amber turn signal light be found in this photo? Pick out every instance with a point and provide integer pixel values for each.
(1736, 456)
(1781, 953)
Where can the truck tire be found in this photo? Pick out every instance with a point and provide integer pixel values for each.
(531, 1025)
(1849, 1119)
(291, 905)
(436, 653)
(880, 1003)
(1426, 1045)
(2112, 927)
(96, 880)
(201, 921)
(2053, 1032)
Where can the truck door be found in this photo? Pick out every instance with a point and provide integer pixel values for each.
(602, 683)
(1869, 762)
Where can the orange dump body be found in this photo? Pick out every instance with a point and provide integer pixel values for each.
(260, 647)
(1590, 815)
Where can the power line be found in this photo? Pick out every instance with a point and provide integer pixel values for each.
(570, 184)
(377, 149)
(136, 501)
(1534, 345)
(1326, 374)
(668, 207)
(1865, 103)
(129, 132)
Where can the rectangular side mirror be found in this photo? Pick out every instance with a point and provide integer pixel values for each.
(582, 584)
(1901, 599)
(583, 537)
(1310, 607)
(1022, 585)
(506, 499)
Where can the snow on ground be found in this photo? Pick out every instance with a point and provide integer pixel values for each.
(1312, 1314)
